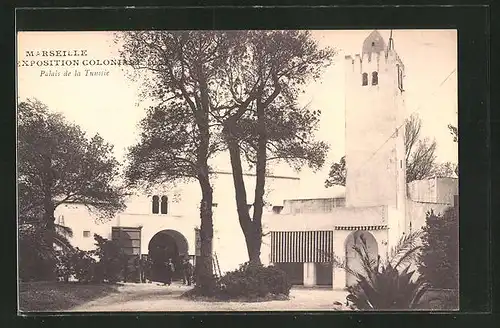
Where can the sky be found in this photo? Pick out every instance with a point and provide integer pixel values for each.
(110, 105)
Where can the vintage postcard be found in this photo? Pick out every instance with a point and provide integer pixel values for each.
(258, 170)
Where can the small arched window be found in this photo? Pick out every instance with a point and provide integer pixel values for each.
(400, 78)
(374, 78)
(156, 204)
(365, 79)
(164, 204)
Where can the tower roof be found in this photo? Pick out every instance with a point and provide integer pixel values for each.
(374, 43)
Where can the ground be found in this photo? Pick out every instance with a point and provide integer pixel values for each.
(152, 298)
(129, 297)
(50, 296)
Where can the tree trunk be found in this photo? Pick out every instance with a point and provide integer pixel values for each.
(205, 269)
(245, 220)
(260, 171)
(205, 281)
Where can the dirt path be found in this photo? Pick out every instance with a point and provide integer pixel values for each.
(153, 298)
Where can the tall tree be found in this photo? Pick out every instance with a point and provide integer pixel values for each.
(420, 158)
(57, 165)
(179, 71)
(439, 257)
(268, 69)
(419, 153)
(228, 80)
(454, 132)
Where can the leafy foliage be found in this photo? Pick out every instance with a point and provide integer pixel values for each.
(36, 259)
(112, 260)
(439, 258)
(179, 71)
(224, 89)
(337, 174)
(83, 266)
(454, 132)
(106, 263)
(64, 266)
(59, 165)
(167, 151)
(386, 285)
(254, 280)
(387, 289)
(261, 119)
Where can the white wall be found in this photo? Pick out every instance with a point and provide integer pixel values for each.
(183, 216)
(375, 174)
(433, 190)
(416, 212)
(339, 216)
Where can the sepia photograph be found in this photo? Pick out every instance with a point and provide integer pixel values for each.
(237, 170)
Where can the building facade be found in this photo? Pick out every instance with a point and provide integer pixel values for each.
(300, 235)
(378, 205)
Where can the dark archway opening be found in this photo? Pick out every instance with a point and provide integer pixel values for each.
(165, 245)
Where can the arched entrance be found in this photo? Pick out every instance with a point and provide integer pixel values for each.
(166, 244)
(353, 260)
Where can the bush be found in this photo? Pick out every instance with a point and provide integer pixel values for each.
(112, 260)
(252, 280)
(83, 265)
(439, 257)
(36, 258)
(64, 265)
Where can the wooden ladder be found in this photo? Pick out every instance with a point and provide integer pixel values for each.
(215, 262)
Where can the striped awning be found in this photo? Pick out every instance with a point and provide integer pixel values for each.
(301, 246)
(355, 228)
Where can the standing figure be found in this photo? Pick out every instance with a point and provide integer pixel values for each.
(169, 271)
(187, 272)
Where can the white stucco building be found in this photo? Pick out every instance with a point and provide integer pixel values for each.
(300, 232)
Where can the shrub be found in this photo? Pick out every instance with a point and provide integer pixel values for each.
(64, 266)
(252, 280)
(210, 286)
(384, 286)
(83, 265)
(36, 259)
(439, 257)
(112, 260)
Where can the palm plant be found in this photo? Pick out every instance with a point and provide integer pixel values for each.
(387, 286)
(35, 255)
(60, 234)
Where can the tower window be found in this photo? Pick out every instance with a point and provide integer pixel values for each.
(374, 78)
(156, 204)
(373, 44)
(400, 78)
(164, 204)
(86, 234)
(365, 79)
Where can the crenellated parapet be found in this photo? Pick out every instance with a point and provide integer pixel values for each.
(373, 63)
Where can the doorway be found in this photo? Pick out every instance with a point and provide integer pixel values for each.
(165, 245)
(324, 274)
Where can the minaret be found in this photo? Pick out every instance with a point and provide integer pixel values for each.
(375, 116)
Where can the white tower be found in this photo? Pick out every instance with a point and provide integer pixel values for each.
(375, 115)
